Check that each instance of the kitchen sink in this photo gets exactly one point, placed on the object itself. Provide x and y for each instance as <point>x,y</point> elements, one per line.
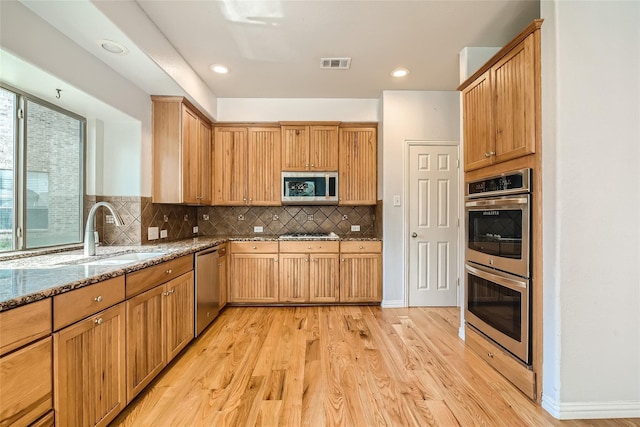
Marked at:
<point>124,259</point>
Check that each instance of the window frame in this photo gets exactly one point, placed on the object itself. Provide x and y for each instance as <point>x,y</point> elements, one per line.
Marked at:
<point>20,233</point>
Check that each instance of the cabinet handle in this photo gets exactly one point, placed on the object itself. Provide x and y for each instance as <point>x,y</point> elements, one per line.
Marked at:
<point>98,298</point>
<point>312,165</point>
<point>306,260</point>
<point>166,294</point>
<point>254,247</point>
<point>490,355</point>
<point>306,165</point>
<point>172,291</point>
<point>308,247</point>
<point>250,199</point>
<point>169,271</point>
<point>361,247</point>
<point>98,321</point>
<point>489,154</point>
<point>342,260</point>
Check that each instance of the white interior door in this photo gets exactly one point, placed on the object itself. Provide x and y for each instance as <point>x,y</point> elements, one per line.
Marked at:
<point>433,225</point>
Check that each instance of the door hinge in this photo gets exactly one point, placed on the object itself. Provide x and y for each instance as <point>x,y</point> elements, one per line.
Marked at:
<point>20,113</point>
<point>458,222</point>
<point>458,163</point>
<point>458,282</point>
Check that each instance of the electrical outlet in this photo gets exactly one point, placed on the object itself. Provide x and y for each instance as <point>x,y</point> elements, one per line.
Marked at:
<point>109,219</point>
<point>205,217</point>
<point>195,230</point>
<point>153,233</point>
<point>309,217</point>
<point>186,217</point>
<point>166,218</point>
<point>163,234</point>
<point>275,218</point>
<point>240,217</point>
<point>258,229</point>
<point>345,217</point>
<point>355,228</point>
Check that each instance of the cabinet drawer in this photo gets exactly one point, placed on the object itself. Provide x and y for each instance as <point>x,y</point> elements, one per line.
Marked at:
<point>257,247</point>
<point>150,277</point>
<point>315,246</point>
<point>76,305</point>
<point>25,324</point>
<point>361,246</point>
<point>26,388</point>
<point>509,367</point>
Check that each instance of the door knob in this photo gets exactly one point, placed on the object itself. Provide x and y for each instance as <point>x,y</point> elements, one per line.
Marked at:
<point>414,234</point>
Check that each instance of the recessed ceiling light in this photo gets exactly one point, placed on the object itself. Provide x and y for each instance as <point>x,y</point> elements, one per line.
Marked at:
<point>399,72</point>
<point>113,47</point>
<point>220,69</point>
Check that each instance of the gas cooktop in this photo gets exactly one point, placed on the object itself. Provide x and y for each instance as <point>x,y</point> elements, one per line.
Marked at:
<point>307,236</point>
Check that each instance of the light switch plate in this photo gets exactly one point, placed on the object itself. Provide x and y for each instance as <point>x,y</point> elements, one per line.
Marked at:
<point>396,200</point>
<point>163,234</point>
<point>195,230</point>
<point>355,228</point>
<point>153,233</point>
<point>258,229</point>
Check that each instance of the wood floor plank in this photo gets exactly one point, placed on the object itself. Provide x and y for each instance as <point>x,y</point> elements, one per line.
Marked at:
<point>335,366</point>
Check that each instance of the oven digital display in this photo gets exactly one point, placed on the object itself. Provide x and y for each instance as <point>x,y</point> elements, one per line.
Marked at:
<point>500,183</point>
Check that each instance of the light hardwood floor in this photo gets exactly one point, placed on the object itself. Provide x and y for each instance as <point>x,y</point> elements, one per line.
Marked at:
<point>335,366</point>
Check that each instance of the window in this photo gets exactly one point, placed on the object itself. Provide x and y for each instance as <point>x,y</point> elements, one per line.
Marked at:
<point>41,173</point>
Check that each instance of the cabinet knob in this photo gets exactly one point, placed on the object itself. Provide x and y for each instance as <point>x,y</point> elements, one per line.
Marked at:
<point>98,298</point>
<point>312,165</point>
<point>490,355</point>
<point>250,199</point>
<point>254,247</point>
<point>98,321</point>
<point>308,247</point>
<point>306,165</point>
<point>342,260</point>
<point>306,260</point>
<point>169,271</point>
<point>166,294</point>
<point>361,247</point>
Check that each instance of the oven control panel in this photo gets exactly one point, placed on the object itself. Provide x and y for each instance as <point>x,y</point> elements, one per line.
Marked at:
<point>508,183</point>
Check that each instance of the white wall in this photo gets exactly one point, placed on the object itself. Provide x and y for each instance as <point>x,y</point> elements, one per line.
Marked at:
<point>591,202</point>
<point>50,51</point>
<point>297,109</point>
<point>408,115</point>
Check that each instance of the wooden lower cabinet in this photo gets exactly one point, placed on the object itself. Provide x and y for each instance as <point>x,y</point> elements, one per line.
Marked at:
<point>159,325</point>
<point>89,369</point>
<point>26,384</point>
<point>361,271</point>
<point>309,278</point>
<point>223,275</point>
<point>255,278</point>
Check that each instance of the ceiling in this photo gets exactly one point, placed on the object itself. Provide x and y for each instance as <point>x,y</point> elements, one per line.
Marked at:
<point>273,48</point>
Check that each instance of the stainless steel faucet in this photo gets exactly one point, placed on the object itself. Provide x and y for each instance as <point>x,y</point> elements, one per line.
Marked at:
<point>90,242</point>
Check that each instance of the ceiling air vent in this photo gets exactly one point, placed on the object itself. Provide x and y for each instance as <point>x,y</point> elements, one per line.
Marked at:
<point>335,63</point>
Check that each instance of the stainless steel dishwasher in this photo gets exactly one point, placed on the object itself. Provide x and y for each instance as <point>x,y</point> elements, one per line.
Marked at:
<point>207,298</point>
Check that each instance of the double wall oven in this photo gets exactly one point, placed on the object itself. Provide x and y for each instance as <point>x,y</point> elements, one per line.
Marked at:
<point>498,260</point>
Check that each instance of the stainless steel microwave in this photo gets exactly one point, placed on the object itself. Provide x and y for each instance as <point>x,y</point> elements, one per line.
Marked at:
<point>309,188</point>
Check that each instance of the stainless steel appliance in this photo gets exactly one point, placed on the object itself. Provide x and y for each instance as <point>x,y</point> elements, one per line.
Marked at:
<point>498,306</point>
<point>498,222</point>
<point>207,298</point>
<point>497,285</point>
<point>306,188</point>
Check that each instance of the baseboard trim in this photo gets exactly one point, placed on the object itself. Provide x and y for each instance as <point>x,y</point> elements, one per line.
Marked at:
<point>590,410</point>
<point>398,303</point>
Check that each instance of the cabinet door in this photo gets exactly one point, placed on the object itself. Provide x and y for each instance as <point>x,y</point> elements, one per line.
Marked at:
<point>514,110</point>
<point>295,148</point>
<point>205,179</point>
<point>179,320</point>
<point>230,166</point>
<point>323,148</point>
<point>190,160</point>
<point>357,151</point>
<point>264,167</point>
<point>26,389</point>
<point>476,116</point>
<point>294,278</point>
<point>254,278</point>
<point>361,277</point>
<point>324,280</point>
<point>89,369</point>
<point>145,340</point>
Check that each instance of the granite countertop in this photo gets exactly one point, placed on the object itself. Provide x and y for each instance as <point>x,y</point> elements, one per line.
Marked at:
<point>26,279</point>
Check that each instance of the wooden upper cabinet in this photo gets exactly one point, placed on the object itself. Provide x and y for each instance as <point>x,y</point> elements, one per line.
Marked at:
<point>476,114</point>
<point>230,166</point>
<point>501,104</point>
<point>357,183</point>
<point>513,80</point>
<point>263,163</point>
<point>310,148</point>
<point>247,166</point>
<point>181,152</point>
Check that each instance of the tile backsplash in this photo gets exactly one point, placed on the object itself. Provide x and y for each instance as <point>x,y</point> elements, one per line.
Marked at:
<point>138,214</point>
<point>240,220</point>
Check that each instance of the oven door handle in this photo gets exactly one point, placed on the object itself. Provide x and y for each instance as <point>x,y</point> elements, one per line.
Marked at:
<point>511,283</point>
<point>503,201</point>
